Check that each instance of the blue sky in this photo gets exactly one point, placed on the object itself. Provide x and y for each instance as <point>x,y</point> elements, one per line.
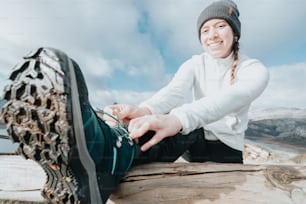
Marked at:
<point>128,49</point>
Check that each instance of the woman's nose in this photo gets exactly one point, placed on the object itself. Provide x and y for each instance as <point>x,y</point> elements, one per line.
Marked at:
<point>212,33</point>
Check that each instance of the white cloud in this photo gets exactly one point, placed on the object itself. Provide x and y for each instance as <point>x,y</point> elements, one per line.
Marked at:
<point>272,30</point>
<point>103,37</point>
<point>98,66</point>
<point>175,24</point>
<point>102,98</point>
<point>106,30</point>
<point>286,87</point>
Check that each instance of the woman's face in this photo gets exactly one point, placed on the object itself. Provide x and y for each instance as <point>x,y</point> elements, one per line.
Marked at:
<point>217,38</point>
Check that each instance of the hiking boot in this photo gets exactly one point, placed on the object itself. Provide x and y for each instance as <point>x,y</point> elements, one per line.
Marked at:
<point>47,112</point>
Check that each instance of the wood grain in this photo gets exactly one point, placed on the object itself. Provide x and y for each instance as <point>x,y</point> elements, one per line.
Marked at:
<point>177,183</point>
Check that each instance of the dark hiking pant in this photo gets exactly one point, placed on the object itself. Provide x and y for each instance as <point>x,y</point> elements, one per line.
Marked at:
<point>194,148</point>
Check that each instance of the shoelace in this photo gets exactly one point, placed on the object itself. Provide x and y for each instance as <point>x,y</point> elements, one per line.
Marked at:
<point>123,127</point>
<point>120,122</point>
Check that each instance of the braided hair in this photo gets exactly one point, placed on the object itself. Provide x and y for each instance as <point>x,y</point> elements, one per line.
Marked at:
<point>235,62</point>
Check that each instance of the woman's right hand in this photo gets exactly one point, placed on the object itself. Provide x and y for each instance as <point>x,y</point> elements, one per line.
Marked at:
<point>123,112</point>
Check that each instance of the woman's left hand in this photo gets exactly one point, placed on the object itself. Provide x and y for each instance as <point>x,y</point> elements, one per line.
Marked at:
<point>163,126</point>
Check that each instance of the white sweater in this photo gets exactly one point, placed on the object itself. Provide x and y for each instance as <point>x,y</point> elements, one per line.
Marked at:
<point>220,108</point>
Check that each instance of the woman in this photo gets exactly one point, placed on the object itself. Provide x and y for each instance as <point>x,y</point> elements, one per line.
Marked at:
<point>48,113</point>
<point>224,84</point>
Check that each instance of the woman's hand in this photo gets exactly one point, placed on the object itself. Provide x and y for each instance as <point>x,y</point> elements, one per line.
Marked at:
<point>163,126</point>
<point>123,112</point>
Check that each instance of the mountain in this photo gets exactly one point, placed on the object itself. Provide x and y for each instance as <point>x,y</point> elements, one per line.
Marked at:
<point>279,126</point>
<point>276,113</point>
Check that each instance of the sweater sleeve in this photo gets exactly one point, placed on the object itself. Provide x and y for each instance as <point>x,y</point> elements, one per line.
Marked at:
<point>251,80</point>
<point>175,92</point>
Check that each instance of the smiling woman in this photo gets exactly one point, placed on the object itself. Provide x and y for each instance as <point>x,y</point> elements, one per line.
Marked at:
<point>48,113</point>
<point>224,84</point>
<point>217,38</point>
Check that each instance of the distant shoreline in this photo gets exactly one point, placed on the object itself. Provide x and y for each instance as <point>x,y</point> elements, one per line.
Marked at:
<point>269,144</point>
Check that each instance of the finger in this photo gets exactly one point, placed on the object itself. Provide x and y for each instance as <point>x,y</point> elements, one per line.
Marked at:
<point>125,111</point>
<point>117,108</point>
<point>126,122</point>
<point>112,109</point>
<point>135,123</point>
<point>138,130</point>
<point>106,117</point>
<point>153,141</point>
<point>107,110</point>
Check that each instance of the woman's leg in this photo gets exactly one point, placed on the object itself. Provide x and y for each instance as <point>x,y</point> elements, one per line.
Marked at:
<point>47,112</point>
<point>214,151</point>
<point>194,145</point>
<point>169,149</point>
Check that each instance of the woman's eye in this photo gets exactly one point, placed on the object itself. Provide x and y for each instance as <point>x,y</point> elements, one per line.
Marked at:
<point>204,31</point>
<point>221,25</point>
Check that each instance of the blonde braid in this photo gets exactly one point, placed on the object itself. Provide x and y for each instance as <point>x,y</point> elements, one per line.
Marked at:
<point>235,62</point>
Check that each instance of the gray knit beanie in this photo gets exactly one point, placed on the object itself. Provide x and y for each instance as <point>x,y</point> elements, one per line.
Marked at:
<point>224,9</point>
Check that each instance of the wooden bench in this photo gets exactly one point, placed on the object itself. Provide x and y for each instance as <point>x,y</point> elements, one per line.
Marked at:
<point>177,183</point>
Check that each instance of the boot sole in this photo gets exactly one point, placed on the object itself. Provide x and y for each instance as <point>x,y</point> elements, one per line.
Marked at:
<point>43,115</point>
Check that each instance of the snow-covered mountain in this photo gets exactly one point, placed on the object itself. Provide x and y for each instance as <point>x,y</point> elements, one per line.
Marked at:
<point>276,113</point>
<point>281,126</point>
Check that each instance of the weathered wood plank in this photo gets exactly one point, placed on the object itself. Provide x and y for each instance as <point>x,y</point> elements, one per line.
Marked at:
<point>179,183</point>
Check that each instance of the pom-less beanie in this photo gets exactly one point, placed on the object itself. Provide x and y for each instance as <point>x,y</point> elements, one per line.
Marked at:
<point>224,9</point>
